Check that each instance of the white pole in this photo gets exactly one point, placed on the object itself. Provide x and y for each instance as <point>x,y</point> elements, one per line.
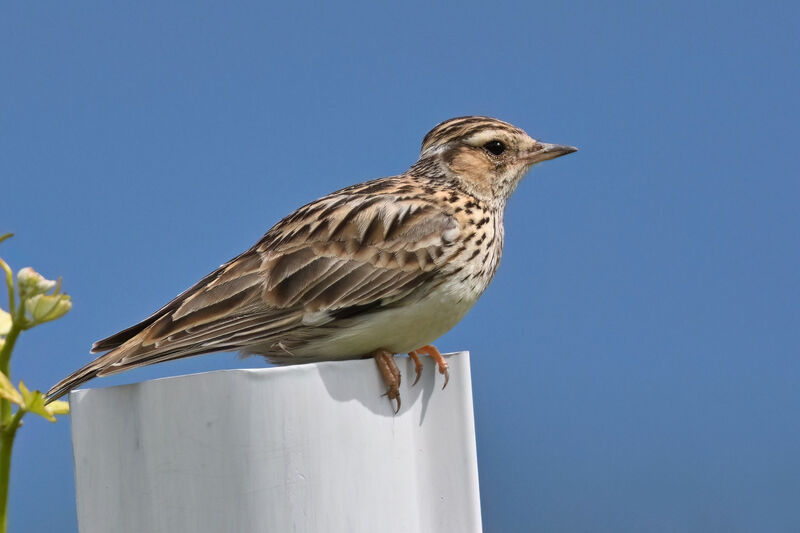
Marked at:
<point>303,448</point>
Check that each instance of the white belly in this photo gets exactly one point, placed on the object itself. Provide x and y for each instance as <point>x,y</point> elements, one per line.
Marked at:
<point>401,329</point>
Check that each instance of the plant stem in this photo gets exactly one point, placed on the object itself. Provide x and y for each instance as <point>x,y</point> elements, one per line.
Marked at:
<point>9,285</point>
<point>5,367</point>
<point>6,445</point>
<point>11,338</point>
<point>8,423</point>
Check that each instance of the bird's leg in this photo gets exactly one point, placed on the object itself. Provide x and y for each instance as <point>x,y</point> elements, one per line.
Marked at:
<point>417,365</point>
<point>440,362</point>
<point>391,375</point>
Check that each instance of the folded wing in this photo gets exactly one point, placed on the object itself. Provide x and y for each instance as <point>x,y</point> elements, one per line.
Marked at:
<point>354,251</point>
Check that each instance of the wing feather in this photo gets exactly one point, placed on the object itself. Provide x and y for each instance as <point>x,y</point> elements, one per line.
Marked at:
<point>345,254</point>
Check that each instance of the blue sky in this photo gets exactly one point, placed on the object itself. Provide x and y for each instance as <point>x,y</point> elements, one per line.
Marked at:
<point>635,361</point>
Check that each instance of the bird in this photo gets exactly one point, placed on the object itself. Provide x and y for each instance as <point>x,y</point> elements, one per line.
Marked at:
<point>376,269</point>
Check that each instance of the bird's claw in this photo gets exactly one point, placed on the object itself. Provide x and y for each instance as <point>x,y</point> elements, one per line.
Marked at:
<point>393,395</point>
<point>441,363</point>
<point>391,376</point>
<point>417,365</point>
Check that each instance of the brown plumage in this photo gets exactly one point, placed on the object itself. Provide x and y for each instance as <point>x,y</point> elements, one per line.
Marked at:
<point>385,266</point>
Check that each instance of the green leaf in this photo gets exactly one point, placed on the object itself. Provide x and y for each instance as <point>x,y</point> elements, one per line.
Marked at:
<point>33,402</point>
<point>8,392</point>
<point>6,236</point>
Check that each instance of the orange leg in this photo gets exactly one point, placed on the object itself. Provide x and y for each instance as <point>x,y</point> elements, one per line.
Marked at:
<point>417,365</point>
<point>440,362</point>
<point>391,375</point>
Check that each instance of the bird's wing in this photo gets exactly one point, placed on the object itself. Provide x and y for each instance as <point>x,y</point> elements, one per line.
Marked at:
<point>350,252</point>
<point>338,256</point>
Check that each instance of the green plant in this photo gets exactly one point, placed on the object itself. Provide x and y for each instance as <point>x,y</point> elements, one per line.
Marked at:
<point>32,300</point>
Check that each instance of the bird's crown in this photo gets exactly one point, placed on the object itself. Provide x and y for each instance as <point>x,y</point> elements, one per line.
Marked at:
<point>461,127</point>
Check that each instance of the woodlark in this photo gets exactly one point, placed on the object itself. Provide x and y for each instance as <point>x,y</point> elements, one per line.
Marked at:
<point>372,270</point>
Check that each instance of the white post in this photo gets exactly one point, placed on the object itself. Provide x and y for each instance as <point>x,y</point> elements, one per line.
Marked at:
<point>304,448</point>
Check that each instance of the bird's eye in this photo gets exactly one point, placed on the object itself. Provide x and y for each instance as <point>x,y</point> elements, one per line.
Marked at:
<point>495,147</point>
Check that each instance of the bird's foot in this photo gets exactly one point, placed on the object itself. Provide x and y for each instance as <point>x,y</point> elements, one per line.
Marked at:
<point>390,374</point>
<point>417,365</point>
<point>440,362</point>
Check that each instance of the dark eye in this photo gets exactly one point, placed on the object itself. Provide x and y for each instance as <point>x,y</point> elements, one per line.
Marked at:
<point>495,147</point>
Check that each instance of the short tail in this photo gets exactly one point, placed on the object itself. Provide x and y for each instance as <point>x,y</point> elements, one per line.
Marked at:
<point>103,365</point>
<point>115,362</point>
<point>122,358</point>
<point>76,379</point>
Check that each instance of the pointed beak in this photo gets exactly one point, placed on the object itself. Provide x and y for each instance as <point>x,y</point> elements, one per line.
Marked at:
<point>544,151</point>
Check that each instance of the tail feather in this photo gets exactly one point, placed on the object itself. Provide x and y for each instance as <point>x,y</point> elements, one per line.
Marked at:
<point>113,363</point>
<point>235,322</point>
<point>140,350</point>
<point>118,339</point>
<point>75,379</point>
<point>116,344</point>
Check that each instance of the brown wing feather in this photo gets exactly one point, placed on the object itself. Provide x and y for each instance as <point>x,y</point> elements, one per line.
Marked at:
<point>119,338</point>
<point>349,252</point>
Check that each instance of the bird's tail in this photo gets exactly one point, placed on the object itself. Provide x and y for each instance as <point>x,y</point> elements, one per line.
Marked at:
<point>116,361</point>
<point>75,379</point>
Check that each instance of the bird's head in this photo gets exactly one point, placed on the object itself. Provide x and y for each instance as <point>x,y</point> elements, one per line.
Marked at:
<point>487,156</point>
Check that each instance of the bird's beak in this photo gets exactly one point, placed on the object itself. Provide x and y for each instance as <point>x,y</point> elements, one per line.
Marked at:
<point>544,151</point>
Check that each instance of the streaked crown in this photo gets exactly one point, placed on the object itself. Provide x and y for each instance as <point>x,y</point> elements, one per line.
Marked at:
<point>460,127</point>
